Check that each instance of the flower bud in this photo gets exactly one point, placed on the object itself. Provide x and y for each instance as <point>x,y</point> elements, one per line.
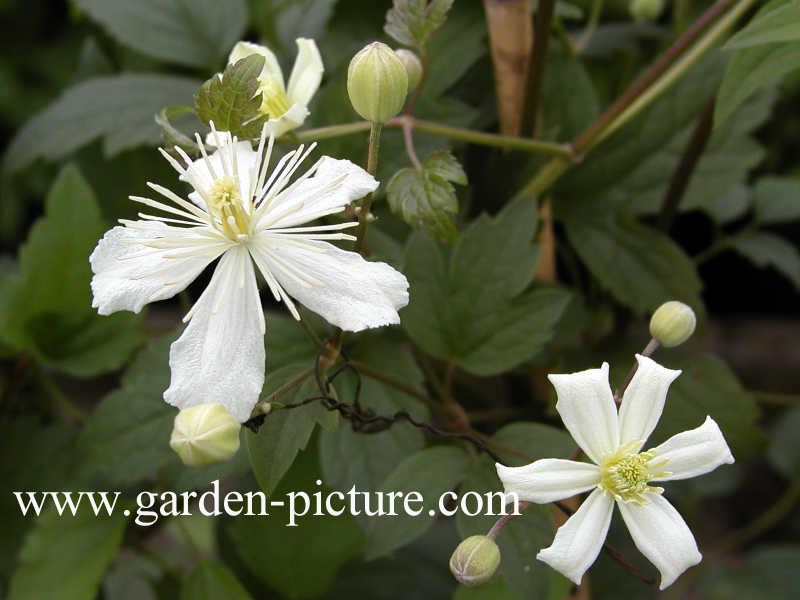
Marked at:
<point>672,323</point>
<point>413,67</point>
<point>644,11</point>
<point>475,560</point>
<point>377,83</point>
<point>205,434</point>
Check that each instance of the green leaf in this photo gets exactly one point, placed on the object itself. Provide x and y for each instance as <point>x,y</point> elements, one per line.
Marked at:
<point>119,108</point>
<point>211,580</point>
<point>126,438</point>
<point>496,589</point>
<point>707,387</point>
<point>784,450</point>
<point>767,573</point>
<point>285,431</point>
<point>66,553</point>
<point>471,306</point>
<point>730,206</point>
<point>302,561</point>
<point>779,21</point>
<point>426,198</point>
<point>431,473</point>
<point>763,54</point>
<point>233,101</point>
<point>195,33</point>
<point>412,22</point>
<point>569,100</point>
<point>776,199</point>
<point>364,460</point>
<point>534,440</point>
<point>640,267</point>
<point>521,538</point>
<point>45,309</point>
<point>769,250</point>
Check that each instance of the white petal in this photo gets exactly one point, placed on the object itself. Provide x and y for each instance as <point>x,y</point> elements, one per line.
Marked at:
<point>695,452</point>
<point>662,535</point>
<point>580,539</point>
<point>220,164</point>
<point>334,185</point>
<point>128,275</point>
<point>643,400</point>
<point>306,73</point>
<point>586,406</point>
<point>219,358</point>
<point>271,69</point>
<point>347,290</point>
<point>291,119</point>
<point>549,479</point>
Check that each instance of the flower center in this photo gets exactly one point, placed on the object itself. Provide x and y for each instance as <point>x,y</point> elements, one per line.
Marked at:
<point>225,205</point>
<point>273,98</point>
<point>625,475</point>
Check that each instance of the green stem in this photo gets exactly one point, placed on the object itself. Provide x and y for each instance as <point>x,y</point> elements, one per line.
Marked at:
<point>331,131</point>
<point>768,519</point>
<point>541,37</point>
<point>59,397</point>
<point>391,381</point>
<point>372,166</point>
<point>591,25</point>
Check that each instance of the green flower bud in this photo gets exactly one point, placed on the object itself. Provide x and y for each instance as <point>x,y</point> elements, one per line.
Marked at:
<point>644,11</point>
<point>475,560</point>
<point>205,434</point>
<point>673,323</point>
<point>377,83</point>
<point>413,67</point>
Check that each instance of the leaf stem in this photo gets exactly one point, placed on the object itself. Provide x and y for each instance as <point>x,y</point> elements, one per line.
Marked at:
<point>58,396</point>
<point>541,37</point>
<point>390,380</point>
<point>651,347</point>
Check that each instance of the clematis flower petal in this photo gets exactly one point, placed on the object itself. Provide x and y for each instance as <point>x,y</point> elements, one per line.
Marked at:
<point>580,539</point>
<point>586,406</point>
<point>345,289</point>
<point>203,172</point>
<point>306,72</point>
<point>334,185</point>
<point>129,274</point>
<point>643,401</point>
<point>272,68</point>
<point>661,534</point>
<point>694,452</point>
<point>219,358</point>
<point>291,119</point>
<point>549,479</point>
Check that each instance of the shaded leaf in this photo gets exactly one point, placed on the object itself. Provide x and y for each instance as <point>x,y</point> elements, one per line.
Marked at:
<point>412,22</point>
<point>778,22</point>
<point>769,250</point>
<point>776,199</point>
<point>211,580</point>
<point>784,451</point>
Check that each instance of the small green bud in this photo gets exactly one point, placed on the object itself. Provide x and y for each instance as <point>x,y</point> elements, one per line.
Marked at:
<point>377,83</point>
<point>205,434</point>
<point>673,323</point>
<point>413,67</point>
<point>475,560</point>
<point>644,11</point>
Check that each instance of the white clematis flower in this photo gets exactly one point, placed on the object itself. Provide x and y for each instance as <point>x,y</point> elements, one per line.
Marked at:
<point>244,217</point>
<point>621,471</point>
<point>286,105</point>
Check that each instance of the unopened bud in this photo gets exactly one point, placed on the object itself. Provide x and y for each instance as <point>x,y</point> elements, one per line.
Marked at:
<point>644,11</point>
<point>377,83</point>
<point>413,67</point>
<point>673,323</point>
<point>475,560</point>
<point>205,434</point>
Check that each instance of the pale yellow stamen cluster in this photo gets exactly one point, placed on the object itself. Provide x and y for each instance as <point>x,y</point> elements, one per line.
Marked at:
<point>225,205</point>
<point>625,475</point>
<point>273,98</point>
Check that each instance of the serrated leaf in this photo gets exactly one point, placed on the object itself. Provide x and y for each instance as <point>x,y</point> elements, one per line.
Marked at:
<point>233,101</point>
<point>412,22</point>
<point>285,432</point>
<point>425,198</point>
<point>779,21</point>
<point>730,206</point>
<point>302,561</point>
<point>119,108</point>
<point>66,553</point>
<point>431,473</point>
<point>211,580</point>
<point>769,250</point>
<point>45,309</point>
<point>776,199</point>
<point>639,266</point>
<point>195,33</point>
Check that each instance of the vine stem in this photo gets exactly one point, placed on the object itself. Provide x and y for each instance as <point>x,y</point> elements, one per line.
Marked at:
<point>372,166</point>
<point>541,37</point>
<point>651,347</point>
<point>686,51</point>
